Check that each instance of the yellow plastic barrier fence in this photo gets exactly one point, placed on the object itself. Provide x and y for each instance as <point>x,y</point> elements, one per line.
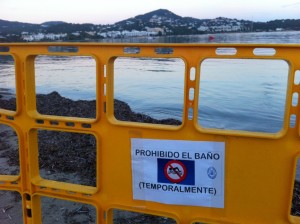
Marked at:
<point>184,173</point>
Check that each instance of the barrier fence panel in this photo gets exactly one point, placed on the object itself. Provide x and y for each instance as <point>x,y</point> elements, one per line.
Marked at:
<point>162,133</point>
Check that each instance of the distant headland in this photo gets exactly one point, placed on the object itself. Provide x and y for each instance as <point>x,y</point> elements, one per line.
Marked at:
<point>160,22</point>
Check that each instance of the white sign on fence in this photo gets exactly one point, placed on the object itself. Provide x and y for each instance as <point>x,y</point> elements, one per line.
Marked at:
<point>178,172</point>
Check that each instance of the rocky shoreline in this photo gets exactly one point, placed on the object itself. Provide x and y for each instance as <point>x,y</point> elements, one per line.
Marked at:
<point>55,149</point>
<point>54,104</point>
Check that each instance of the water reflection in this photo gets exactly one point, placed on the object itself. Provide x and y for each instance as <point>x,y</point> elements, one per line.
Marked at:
<point>155,86</point>
<point>73,77</point>
<point>7,77</point>
<point>243,94</point>
<point>257,37</point>
<point>152,86</point>
<point>6,59</point>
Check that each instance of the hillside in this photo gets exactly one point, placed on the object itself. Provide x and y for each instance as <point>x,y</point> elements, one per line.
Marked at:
<point>16,27</point>
<point>155,23</point>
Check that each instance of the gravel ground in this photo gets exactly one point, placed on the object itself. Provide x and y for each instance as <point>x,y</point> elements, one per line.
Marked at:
<point>296,200</point>
<point>60,155</point>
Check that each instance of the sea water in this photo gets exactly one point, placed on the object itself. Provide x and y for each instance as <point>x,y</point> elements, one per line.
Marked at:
<point>250,94</point>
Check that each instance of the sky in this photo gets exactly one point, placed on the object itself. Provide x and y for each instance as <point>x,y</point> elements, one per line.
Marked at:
<point>111,11</point>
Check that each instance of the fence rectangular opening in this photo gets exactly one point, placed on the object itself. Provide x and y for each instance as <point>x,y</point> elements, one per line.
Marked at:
<point>9,151</point>
<point>141,82</point>
<point>64,211</point>
<point>123,216</point>
<point>67,157</point>
<point>243,94</point>
<point>7,83</point>
<point>54,73</point>
<point>10,207</point>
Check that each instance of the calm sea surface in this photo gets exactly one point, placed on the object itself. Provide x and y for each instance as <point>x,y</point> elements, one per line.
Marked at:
<point>234,94</point>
